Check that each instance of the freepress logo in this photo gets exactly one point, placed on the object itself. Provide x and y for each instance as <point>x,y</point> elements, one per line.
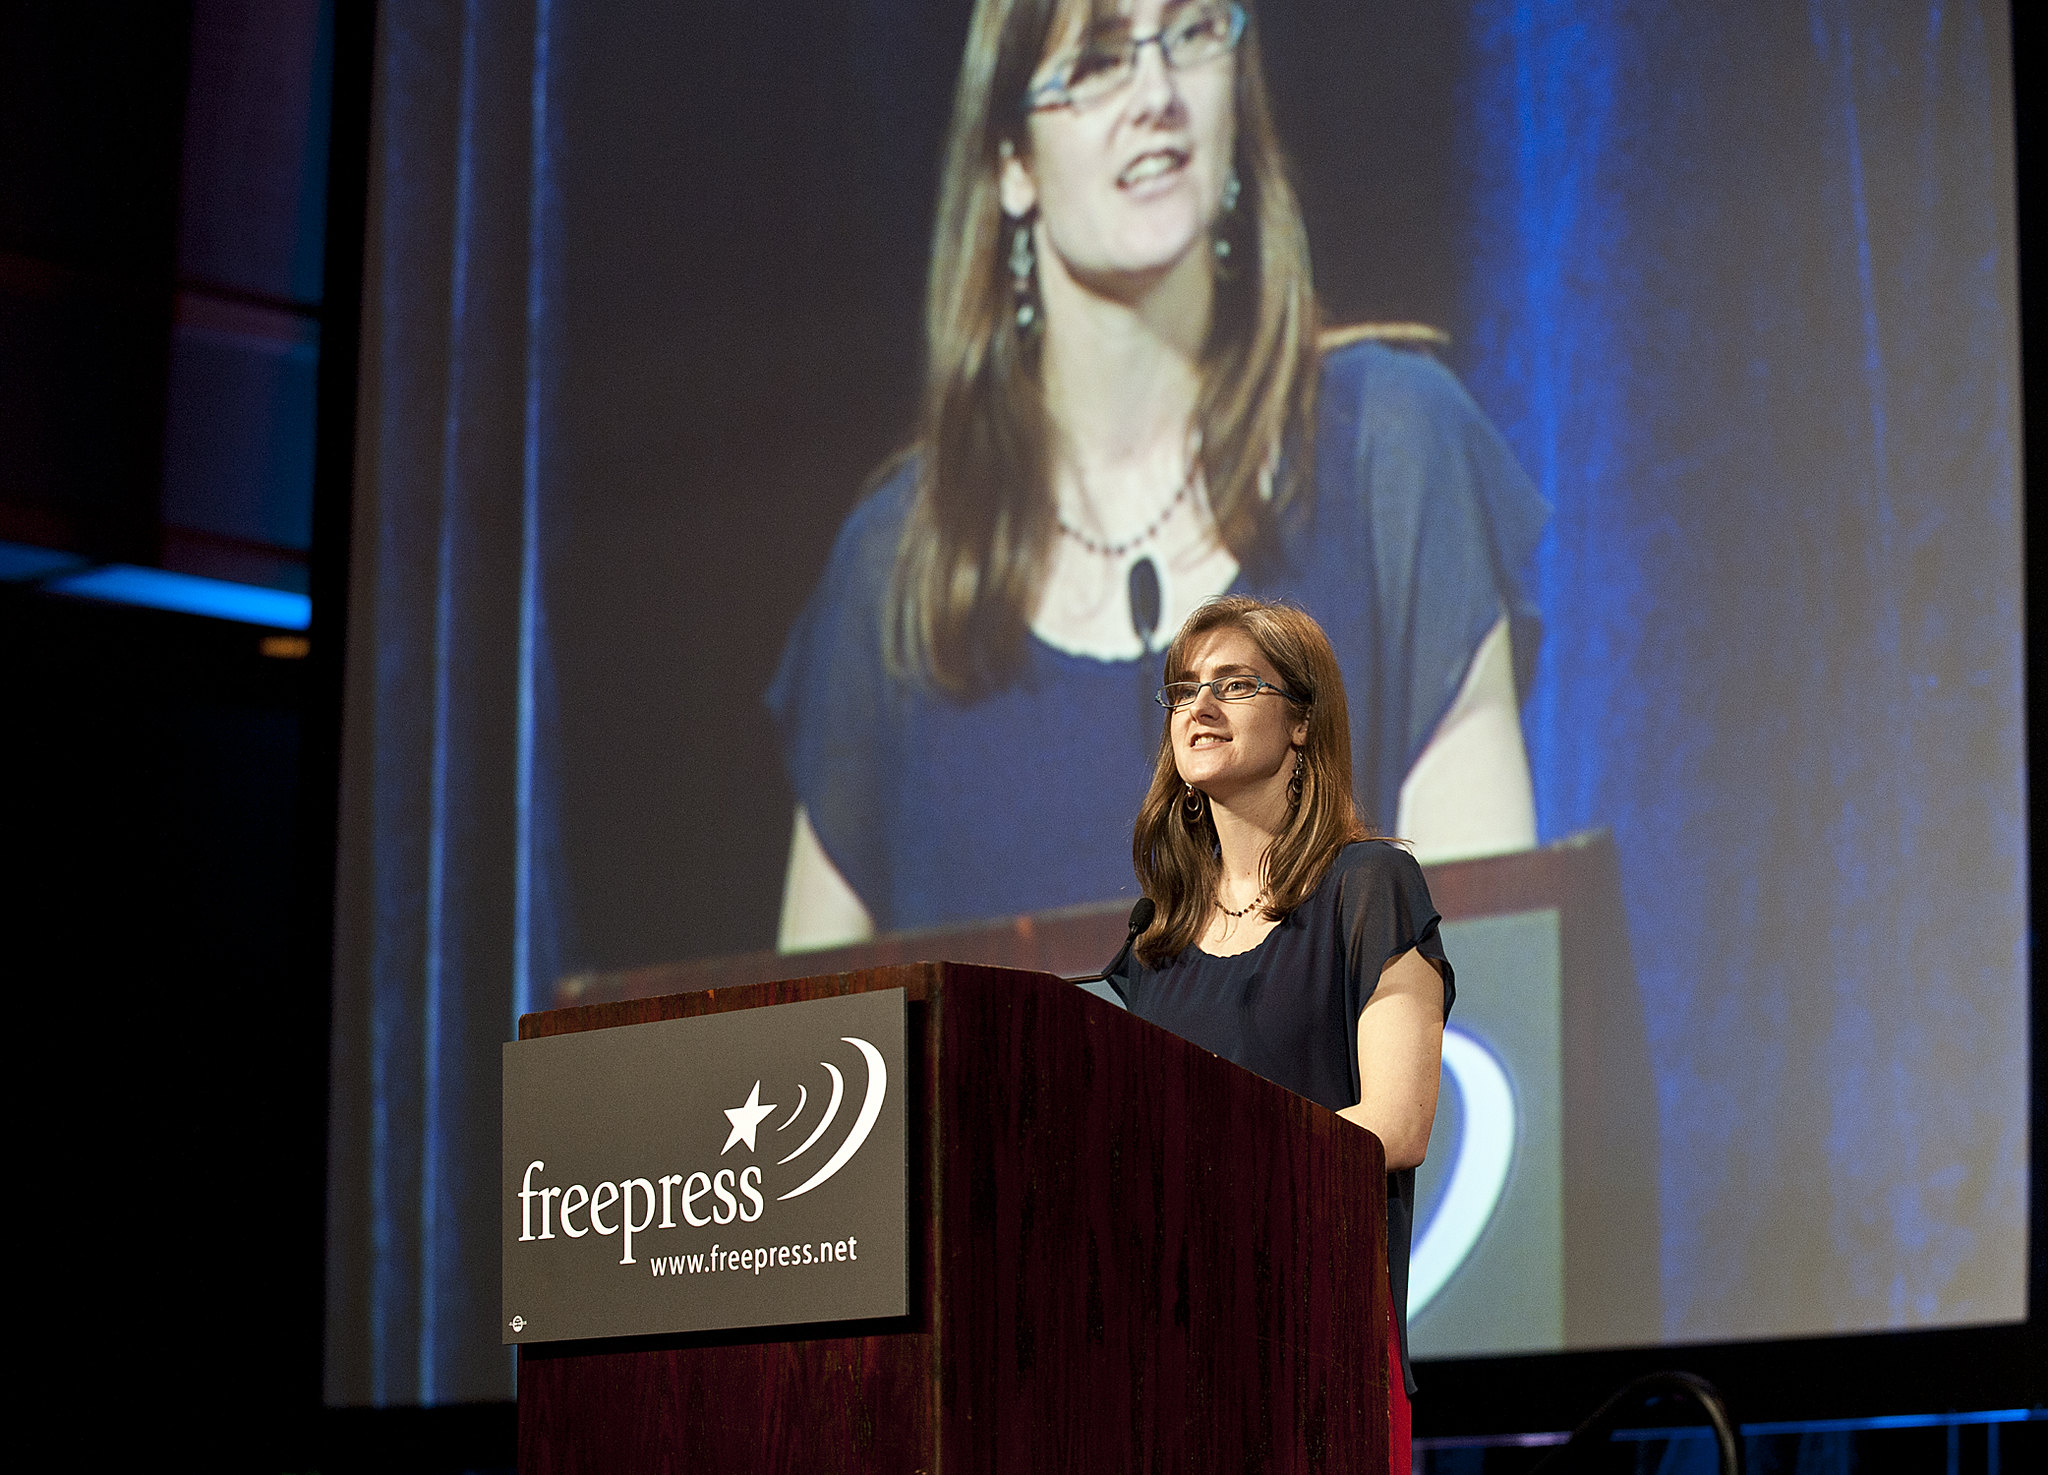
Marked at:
<point>706,1196</point>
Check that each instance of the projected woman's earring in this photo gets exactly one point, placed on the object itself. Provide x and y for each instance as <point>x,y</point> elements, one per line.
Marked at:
<point>1226,269</point>
<point>1024,278</point>
<point>1294,782</point>
<point>1191,802</point>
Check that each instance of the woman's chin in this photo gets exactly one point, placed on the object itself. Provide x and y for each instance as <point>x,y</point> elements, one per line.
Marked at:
<point>1214,779</point>
<point>1227,788</point>
<point>1156,255</point>
<point>1141,262</point>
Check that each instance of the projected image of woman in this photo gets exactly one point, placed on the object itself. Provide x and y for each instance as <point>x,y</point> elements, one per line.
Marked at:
<point>1128,410</point>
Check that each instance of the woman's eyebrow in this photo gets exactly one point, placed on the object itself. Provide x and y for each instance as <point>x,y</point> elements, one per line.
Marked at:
<point>1118,20</point>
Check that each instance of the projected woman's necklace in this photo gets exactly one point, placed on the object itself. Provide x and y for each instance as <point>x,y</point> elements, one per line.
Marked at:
<point>1142,584</point>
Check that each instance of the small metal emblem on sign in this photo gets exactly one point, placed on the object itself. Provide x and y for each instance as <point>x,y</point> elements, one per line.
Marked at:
<point>518,1323</point>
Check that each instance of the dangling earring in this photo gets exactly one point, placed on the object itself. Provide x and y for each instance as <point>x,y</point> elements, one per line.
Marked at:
<point>1294,783</point>
<point>1191,802</point>
<point>1225,268</point>
<point>1024,278</point>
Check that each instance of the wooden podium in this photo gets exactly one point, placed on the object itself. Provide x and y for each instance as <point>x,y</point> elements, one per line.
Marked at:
<point>1128,1255</point>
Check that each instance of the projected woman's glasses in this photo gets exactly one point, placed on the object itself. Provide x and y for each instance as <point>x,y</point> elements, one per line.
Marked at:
<point>1105,63</point>
<point>1227,689</point>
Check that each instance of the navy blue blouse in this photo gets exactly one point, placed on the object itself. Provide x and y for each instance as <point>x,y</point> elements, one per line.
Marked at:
<point>936,810</point>
<point>1288,1009</point>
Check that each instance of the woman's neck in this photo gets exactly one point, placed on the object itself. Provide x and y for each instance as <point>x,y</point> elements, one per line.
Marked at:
<point>1121,376</point>
<point>1246,826</point>
<point>1122,373</point>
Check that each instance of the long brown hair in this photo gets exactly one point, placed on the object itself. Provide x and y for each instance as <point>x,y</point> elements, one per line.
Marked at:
<point>1174,848</point>
<point>976,547</point>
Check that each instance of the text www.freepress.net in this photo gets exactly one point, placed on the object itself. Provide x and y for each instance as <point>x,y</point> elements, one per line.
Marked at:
<point>766,1257</point>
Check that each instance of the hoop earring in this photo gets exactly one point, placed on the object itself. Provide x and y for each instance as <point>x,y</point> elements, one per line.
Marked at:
<point>1191,802</point>
<point>1024,278</point>
<point>1226,270</point>
<point>1294,782</point>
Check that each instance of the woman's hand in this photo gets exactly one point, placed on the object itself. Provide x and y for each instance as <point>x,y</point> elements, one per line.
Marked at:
<point>1400,1059</point>
<point>818,908</point>
<point>1469,792</point>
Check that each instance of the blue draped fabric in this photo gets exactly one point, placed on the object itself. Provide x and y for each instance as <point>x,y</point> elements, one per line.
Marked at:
<point>1745,308</point>
<point>1737,294</point>
<point>445,907</point>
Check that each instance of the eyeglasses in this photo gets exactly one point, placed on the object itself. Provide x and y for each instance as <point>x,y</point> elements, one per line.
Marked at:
<point>1104,64</point>
<point>1177,694</point>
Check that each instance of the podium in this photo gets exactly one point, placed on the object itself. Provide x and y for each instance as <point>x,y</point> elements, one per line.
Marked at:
<point>1126,1254</point>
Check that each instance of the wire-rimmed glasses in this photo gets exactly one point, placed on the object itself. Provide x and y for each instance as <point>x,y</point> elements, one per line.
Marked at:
<point>1191,33</point>
<point>1177,694</point>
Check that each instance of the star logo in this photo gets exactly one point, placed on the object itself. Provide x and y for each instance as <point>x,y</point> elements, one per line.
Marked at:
<point>746,1120</point>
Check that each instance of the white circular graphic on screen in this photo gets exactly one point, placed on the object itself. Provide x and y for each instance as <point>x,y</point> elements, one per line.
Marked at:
<point>864,1123</point>
<point>1486,1147</point>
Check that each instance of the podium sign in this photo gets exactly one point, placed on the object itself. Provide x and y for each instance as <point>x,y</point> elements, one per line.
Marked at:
<point>731,1170</point>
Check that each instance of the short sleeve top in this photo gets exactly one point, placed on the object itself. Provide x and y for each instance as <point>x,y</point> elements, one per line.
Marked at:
<point>936,810</point>
<point>1288,1009</point>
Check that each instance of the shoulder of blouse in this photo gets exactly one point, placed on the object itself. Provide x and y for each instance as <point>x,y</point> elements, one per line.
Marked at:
<point>1394,389</point>
<point>1369,875</point>
<point>863,555</point>
<point>1371,859</point>
<point>885,498</point>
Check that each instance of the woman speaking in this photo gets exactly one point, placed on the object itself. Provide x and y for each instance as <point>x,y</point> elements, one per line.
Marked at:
<point>1286,940</point>
<point>1129,409</point>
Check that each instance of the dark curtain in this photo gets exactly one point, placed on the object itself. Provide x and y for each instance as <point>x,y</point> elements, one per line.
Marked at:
<point>443,895</point>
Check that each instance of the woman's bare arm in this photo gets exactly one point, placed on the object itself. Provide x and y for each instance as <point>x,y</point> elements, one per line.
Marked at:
<point>818,908</point>
<point>1400,1059</point>
<point>1469,794</point>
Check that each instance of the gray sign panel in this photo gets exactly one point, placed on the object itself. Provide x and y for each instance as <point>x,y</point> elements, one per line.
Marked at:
<point>734,1170</point>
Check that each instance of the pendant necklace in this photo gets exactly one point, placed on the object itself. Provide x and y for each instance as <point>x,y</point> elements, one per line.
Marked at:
<point>1142,588</point>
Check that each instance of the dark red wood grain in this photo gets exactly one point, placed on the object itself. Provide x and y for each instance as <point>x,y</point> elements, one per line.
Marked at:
<point>1133,1256</point>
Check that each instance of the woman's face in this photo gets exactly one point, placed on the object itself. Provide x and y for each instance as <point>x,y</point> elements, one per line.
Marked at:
<point>1128,185</point>
<point>1227,749</point>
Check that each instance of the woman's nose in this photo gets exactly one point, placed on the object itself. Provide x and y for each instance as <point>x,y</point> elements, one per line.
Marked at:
<point>1154,92</point>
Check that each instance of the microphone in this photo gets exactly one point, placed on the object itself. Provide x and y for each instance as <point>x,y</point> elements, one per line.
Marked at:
<point>1141,918</point>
